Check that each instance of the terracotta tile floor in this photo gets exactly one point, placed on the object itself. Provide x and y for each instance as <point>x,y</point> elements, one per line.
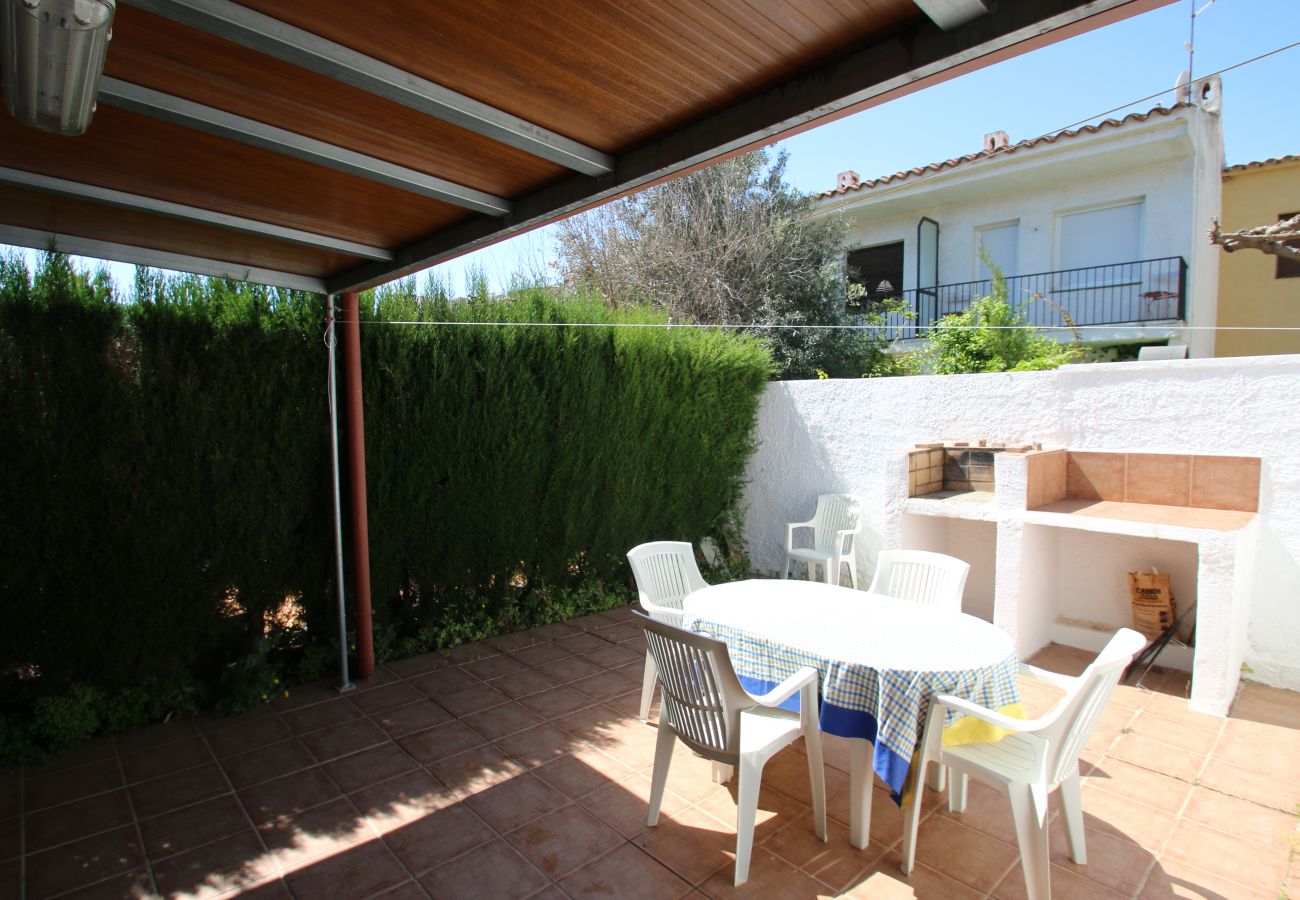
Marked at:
<point>517,768</point>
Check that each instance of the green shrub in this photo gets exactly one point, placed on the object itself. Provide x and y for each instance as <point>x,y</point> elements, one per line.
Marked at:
<point>316,661</point>
<point>164,465</point>
<point>151,700</point>
<point>62,720</point>
<point>513,465</point>
<point>247,682</point>
<point>991,335</point>
<point>18,742</point>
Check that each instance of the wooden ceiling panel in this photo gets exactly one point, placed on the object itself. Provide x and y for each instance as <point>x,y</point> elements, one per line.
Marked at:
<point>154,52</point>
<point>800,25</point>
<point>661,86</point>
<point>82,218</point>
<point>610,74</point>
<point>141,155</point>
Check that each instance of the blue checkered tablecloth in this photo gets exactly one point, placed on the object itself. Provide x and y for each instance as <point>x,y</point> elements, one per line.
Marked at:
<point>880,659</point>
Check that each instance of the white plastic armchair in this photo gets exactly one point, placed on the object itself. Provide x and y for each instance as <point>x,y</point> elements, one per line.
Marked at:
<point>1037,757</point>
<point>665,573</point>
<point>705,708</point>
<point>834,525</point>
<point>930,579</point>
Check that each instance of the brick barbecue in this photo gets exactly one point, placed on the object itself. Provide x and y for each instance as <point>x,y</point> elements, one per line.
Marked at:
<point>956,465</point>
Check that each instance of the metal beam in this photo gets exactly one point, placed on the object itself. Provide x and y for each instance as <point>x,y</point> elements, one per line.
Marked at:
<point>180,111</point>
<point>161,259</point>
<point>898,65</point>
<point>286,42</point>
<point>136,202</point>
<point>950,14</point>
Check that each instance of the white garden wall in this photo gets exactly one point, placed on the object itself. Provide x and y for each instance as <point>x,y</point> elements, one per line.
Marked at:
<point>850,436</point>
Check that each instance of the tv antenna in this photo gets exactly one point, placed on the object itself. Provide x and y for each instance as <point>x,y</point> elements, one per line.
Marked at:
<point>1191,39</point>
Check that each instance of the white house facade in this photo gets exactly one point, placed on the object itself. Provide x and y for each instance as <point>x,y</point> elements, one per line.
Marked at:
<point>1105,223</point>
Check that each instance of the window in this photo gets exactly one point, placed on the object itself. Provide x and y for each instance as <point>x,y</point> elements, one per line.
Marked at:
<point>1288,268</point>
<point>879,269</point>
<point>1002,243</point>
<point>1100,237</point>
<point>1101,280</point>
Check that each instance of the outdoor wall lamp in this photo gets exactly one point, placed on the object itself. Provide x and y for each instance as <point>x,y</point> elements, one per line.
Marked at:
<point>53,53</point>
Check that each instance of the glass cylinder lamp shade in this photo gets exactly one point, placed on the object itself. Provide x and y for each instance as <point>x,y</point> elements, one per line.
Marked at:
<point>53,54</point>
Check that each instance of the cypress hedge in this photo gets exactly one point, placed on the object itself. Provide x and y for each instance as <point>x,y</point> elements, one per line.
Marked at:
<point>164,468</point>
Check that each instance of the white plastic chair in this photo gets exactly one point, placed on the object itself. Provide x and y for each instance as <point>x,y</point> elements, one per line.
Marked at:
<point>1036,758</point>
<point>665,573</point>
<point>930,579</point>
<point>833,525</point>
<point>704,706</point>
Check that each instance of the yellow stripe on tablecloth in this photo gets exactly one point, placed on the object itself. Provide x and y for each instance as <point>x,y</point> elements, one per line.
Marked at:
<point>966,730</point>
<point>970,730</point>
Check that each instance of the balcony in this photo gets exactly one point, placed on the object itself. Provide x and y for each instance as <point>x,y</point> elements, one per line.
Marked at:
<point>1150,290</point>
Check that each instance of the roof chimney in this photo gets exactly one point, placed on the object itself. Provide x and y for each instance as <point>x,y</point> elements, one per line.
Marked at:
<point>996,140</point>
<point>1209,93</point>
<point>846,181</point>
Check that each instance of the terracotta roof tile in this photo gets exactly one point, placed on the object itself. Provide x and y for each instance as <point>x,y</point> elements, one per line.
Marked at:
<point>1002,151</point>
<point>1259,164</point>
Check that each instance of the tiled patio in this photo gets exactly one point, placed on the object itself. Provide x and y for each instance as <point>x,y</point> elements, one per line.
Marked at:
<point>518,768</point>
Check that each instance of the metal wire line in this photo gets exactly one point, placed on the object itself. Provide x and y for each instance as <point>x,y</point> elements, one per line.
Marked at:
<point>909,180</point>
<point>897,187</point>
<point>759,326</point>
<point>926,174</point>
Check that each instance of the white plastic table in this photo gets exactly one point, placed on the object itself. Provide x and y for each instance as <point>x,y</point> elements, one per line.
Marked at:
<point>880,660</point>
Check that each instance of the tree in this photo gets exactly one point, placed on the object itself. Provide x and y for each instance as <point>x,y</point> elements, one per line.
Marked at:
<point>992,336</point>
<point>732,244</point>
<point>1282,239</point>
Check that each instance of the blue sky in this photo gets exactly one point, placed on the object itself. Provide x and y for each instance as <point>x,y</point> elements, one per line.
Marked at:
<point>1075,80</point>
<point>1039,93</point>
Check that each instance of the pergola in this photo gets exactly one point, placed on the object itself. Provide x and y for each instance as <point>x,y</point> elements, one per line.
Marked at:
<point>330,146</point>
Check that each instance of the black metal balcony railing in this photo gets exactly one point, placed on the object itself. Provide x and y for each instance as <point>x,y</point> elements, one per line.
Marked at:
<point>1146,291</point>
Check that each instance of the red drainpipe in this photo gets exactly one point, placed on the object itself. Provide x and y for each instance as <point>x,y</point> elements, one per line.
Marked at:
<point>350,329</point>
